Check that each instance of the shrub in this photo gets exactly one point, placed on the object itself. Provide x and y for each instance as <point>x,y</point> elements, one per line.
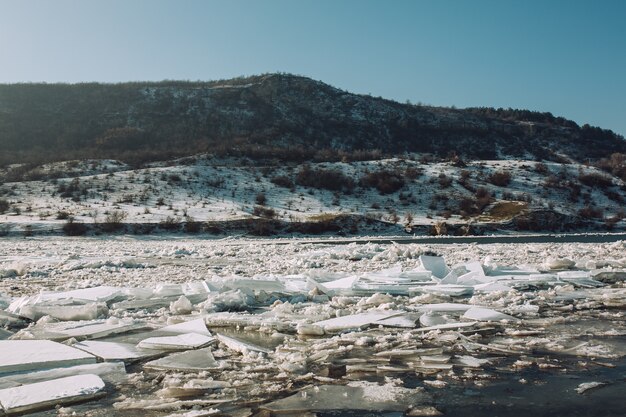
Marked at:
<point>444,181</point>
<point>541,168</point>
<point>4,205</point>
<point>72,228</point>
<point>260,199</point>
<point>192,226</point>
<point>283,181</point>
<point>500,178</point>
<point>264,212</point>
<point>386,182</point>
<point>113,221</point>
<point>63,215</point>
<point>589,212</point>
<point>551,181</point>
<point>328,179</point>
<point>595,180</point>
<point>439,229</point>
<point>170,223</point>
<point>413,172</point>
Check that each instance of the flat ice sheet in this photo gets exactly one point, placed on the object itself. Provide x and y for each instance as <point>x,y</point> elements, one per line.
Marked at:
<point>193,360</point>
<point>115,351</point>
<point>48,394</point>
<point>30,355</point>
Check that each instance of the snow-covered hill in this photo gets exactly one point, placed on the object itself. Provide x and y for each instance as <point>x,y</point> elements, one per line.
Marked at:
<point>204,194</point>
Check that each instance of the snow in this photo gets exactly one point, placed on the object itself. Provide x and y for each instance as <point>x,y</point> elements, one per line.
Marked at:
<point>225,190</point>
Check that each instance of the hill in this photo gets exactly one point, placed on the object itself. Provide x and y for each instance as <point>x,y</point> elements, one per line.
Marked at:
<point>271,117</point>
<point>280,155</point>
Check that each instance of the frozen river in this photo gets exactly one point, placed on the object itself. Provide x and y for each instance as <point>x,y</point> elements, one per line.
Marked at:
<point>247,327</point>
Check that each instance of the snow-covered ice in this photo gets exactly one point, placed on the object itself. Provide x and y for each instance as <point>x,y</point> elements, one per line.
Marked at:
<point>237,326</point>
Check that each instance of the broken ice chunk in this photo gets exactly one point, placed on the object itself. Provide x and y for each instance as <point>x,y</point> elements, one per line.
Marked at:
<point>179,342</point>
<point>470,361</point>
<point>193,360</point>
<point>191,326</point>
<point>486,314</point>
<point>448,289</point>
<point>168,290</point>
<point>48,394</point>
<point>435,264</point>
<point>354,321</point>
<point>110,372</point>
<point>406,321</point>
<point>586,386</point>
<point>433,319</point>
<point>239,345</point>
<point>559,263</point>
<point>65,310</point>
<point>92,329</point>
<point>29,355</point>
<point>365,396</point>
<point>609,276</point>
<point>445,307</point>
<point>447,326</point>
<point>181,306</point>
<point>310,329</point>
<point>491,287</point>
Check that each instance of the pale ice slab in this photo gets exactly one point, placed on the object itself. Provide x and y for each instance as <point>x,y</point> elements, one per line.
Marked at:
<point>193,360</point>
<point>586,386</point>
<point>434,319</point>
<point>110,372</point>
<point>115,351</point>
<point>29,355</point>
<point>239,345</point>
<point>486,314</point>
<point>191,326</point>
<point>354,396</point>
<point>447,326</point>
<point>48,394</point>
<point>341,284</point>
<point>445,307</point>
<point>65,311</point>
<point>470,361</point>
<point>89,329</point>
<point>404,321</point>
<point>452,290</point>
<point>101,293</point>
<point>354,321</point>
<point>180,342</point>
<point>435,264</point>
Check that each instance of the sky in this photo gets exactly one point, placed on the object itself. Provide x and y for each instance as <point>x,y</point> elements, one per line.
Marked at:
<point>565,57</point>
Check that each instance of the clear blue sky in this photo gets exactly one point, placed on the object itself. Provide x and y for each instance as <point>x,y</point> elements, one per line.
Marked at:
<point>567,57</point>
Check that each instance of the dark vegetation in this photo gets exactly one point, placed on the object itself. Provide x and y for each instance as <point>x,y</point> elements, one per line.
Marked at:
<point>274,117</point>
<point>385,181</point>
<point>328,179</point>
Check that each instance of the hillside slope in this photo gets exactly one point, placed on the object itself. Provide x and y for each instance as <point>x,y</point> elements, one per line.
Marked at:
<point>225,197</point>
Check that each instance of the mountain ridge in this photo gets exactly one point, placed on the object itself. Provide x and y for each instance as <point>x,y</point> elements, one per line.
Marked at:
<point>271,116</point>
